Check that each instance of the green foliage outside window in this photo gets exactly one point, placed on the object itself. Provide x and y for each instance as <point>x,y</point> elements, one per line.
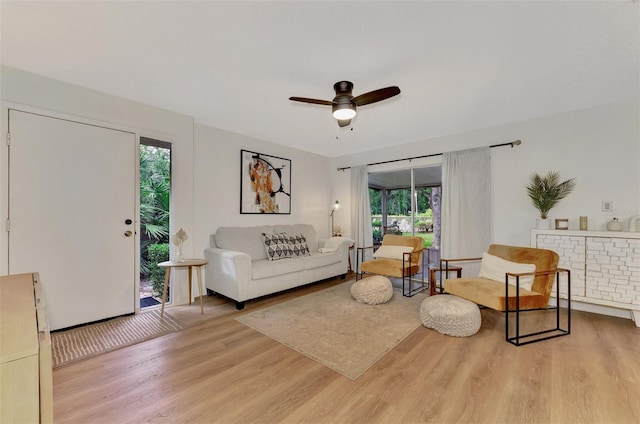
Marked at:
<point>399,201</point>
<point>157,253</point>
<point>155,190</point>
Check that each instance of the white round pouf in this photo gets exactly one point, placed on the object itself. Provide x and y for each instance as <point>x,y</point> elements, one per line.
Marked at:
<point>372,290</point>
<point>450,315</point>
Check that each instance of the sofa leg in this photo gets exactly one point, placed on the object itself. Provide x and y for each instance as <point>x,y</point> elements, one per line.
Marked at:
<point>239,306</point>
<point>343,276</point>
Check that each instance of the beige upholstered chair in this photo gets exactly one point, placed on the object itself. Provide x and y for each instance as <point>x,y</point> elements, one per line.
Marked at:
<point>403,260</point>
<point>509,298</point>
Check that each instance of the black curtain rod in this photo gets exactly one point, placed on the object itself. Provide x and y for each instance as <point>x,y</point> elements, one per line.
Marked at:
<point>511,143</point>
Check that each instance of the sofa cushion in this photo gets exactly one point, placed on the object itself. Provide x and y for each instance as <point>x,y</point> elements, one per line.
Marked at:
<point>265,268</point>
<point>306,230</point>
<point>298,245</point>
<point>276,246</point>
<point>243,239</point>
<point>317,260</point>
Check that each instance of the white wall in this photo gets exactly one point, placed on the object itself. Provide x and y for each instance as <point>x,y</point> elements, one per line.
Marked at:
<point>598,146</point>
<point>36,93</point>
<point>206,172</point>
<point>217,184</point>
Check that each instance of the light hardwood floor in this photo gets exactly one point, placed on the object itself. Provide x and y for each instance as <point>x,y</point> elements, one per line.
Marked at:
<point>219,371</point>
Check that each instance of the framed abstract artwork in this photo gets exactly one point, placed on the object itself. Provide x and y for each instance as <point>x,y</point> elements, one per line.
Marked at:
<point>265,183</point>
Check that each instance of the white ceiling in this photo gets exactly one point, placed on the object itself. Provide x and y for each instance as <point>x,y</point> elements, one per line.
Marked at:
<point>233,65</point>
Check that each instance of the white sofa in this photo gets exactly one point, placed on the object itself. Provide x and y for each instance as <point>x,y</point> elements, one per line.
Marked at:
<point>238,267</point>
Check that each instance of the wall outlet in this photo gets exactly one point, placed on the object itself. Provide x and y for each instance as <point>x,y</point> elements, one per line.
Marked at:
<point>607,206</point>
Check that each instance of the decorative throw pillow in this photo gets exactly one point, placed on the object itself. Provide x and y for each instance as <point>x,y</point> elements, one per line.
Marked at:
<point>392,252</point>
<point>494,268</point>
<point>298,245</point>
<point>276,246</point>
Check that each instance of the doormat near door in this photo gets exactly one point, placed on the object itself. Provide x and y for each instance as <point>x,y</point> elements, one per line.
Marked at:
<point>145,302</point>
<point>330,327</point>
<point>91,340</point>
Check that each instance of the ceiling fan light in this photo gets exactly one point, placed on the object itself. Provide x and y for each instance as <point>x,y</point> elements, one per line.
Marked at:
<point>344,111</point>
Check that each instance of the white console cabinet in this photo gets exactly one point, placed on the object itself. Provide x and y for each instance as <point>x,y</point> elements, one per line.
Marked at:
<point>605,266</point>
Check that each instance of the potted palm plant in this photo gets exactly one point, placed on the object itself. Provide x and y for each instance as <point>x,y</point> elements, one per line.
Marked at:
<point>545,192</point>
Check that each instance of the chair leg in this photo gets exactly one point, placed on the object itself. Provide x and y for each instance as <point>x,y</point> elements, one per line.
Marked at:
<point>558,331</point>
<point>411,292</point>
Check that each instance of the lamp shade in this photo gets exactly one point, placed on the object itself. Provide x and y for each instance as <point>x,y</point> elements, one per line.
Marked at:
<point>335,207</point>
<point>343,108</point>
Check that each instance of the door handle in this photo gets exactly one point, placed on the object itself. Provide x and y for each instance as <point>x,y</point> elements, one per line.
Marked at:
<point>128,233</point>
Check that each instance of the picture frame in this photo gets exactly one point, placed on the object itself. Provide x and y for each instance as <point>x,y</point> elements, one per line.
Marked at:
<point>265,184</point>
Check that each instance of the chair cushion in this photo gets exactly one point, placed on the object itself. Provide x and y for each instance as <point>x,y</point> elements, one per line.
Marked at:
<point>416,243</point>
<point>544,260</point>
<point>450,315</point>
<point>390,267</point>
<point>494,268</point>
<point>492,293</point>
<point>392,252</point>
<point>372,290</point>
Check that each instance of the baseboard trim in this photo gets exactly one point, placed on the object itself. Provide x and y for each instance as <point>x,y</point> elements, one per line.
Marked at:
<point>600,309</point>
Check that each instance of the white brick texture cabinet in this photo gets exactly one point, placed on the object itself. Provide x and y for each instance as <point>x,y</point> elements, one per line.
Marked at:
<point>605,266</point>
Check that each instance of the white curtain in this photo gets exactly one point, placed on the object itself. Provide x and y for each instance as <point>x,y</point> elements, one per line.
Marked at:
<point>361,229</point>
<point>466,203</point>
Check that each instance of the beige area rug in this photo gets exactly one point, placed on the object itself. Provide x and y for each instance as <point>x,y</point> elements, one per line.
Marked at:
<point>94,339</point>
<point>335,330</point>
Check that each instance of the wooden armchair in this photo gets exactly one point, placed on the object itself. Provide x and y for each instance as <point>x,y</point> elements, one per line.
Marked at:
<point>399,257</point>
<point>503,296</point>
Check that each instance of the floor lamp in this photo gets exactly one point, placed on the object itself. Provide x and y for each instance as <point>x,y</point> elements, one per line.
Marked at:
<point>335,207</point>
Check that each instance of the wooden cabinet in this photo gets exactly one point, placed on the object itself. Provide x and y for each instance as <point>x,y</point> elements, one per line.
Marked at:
<point>26,394</point>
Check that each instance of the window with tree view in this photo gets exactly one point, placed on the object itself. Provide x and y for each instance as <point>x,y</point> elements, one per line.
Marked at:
<point>155,196</point>
<point>406,204</point>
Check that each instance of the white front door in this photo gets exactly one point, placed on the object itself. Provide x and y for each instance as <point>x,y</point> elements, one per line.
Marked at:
<point>72,215</point>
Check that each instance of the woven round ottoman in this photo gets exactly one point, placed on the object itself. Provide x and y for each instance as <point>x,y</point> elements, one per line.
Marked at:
<point>450,315</point>
<point>372,290</point>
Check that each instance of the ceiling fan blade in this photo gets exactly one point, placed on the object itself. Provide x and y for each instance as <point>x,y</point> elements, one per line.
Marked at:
<point>343,122</point>
<point>376,95</point>
<point>314,101</point>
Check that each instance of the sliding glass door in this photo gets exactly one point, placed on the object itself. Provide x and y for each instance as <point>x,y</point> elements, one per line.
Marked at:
<point>406,202</point>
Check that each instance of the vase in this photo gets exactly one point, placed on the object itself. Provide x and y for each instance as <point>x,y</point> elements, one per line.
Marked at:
<point>634,223</point>
<point>584,223</point>
<point>614,225</point>
<point>543,224</point>
<point>179,256</point>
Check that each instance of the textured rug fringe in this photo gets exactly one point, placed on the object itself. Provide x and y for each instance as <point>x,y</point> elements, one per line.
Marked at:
<point>91,340</point>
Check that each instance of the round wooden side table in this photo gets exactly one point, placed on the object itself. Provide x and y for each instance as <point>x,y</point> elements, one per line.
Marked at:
<point>186,263</point>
